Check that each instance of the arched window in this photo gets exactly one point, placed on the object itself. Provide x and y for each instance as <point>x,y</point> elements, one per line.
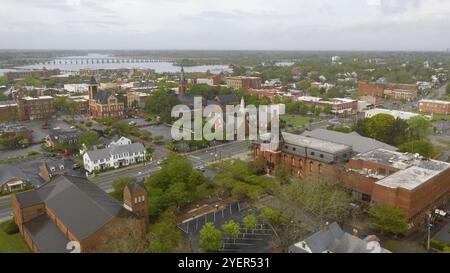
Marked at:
<point>320,168</point>
<point>311,166</point>
<point>300,167</point>
<point>292,165</point>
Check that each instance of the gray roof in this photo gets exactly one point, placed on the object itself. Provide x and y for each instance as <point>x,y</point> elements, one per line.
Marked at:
<point>79,204</point>
<point>358,143</point>
<point>314,143</point>
<point>335,240</point>
<point>46,235</point>
<point>228,99</point>
<point>92,81</point>
<point>8,172</point>
<point>115,150</point>
<point>103,96</point>
<point>57,136</point>
<point>132,186</point>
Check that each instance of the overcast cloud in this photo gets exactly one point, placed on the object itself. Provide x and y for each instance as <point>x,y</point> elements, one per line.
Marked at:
<point>226,24</point>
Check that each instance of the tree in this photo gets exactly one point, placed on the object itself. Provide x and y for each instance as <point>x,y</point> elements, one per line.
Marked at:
<point>119,184</point>
<point>303,85</point>
<point>249,222</point>
<point>327,109</point>
<point>388,219</point>
<point>325,200</point>
<point>419,128</point>
<point>210,238</point>
<point>3,80</point>
<point>175,185</point>
<point>257,166</point>
<point>447,89</point>
<point>123,237</point>
<point>422,147</point>
<point>380,127</point>
<point>161,102</point>
<point>165,237</point>
<point>231,229</point>
<point>282,173</point>
<point>89,139</point>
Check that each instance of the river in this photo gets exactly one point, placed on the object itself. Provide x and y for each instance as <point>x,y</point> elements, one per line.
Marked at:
<point>159,67</point>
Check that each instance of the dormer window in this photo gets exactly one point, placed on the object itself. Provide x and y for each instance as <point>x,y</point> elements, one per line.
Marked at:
<point>61,167</point>
<point>52,169</point>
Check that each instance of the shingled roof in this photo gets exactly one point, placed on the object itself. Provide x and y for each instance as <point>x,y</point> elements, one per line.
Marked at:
<point>79,204</point>
<point>115,150</point>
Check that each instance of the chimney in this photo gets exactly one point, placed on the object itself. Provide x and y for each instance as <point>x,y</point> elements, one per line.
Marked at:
<point>326,227</point>
<point>355,232</point>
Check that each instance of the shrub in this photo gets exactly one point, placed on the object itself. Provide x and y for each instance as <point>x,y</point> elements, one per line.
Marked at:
<point>89,124</point>
<point>10,227</point>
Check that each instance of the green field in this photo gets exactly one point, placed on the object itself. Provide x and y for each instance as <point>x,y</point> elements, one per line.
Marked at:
<point>11,243</point>
<point>295,120</point>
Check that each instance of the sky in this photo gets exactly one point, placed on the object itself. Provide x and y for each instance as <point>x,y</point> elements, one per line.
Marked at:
<point>410,25</point>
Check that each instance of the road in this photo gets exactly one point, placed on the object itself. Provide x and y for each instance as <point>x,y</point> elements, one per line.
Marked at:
<point>198,158</point>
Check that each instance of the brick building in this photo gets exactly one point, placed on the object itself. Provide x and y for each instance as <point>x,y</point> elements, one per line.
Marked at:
<point>373,175</point>
<point>8,110</point>
<point>439,107</point>
<point>339,106</point>
<point>395,91</point>
<point>31,108</point>
<point>303,155</point>
<point>243,82</point>
<point>103,103</point>
<point>400,180</point>
<point>72,208</point>
<point>41,73</point>
<point>136,99</point>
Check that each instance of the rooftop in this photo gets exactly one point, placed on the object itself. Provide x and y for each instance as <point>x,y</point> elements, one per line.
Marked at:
<point>436,101</point>
<point>38,98</point>
<point>401,161</point>
<point>409,178</point>
<point>358,143</point>
<point>314,143</point>
<point>115,150</point>
<point>77,203</point>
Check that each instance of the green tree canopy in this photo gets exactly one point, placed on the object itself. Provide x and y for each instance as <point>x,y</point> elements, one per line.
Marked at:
<point>176,184</point>
<point>231,229</point>
<point>419,128</point>
<point>388,219</point>
<point>165,237</point>
<point>210,238</point>
<point>249,221</point>
<point>90,139</point>
<point>422,147</point>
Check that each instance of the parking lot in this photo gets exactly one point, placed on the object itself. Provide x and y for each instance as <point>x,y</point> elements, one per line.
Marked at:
<point>256,240</point>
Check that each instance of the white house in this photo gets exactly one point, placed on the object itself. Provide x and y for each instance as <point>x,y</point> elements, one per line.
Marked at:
<point>332,239</point>
<point>120,141</point>
<point>395,113</point>
<point>114,156</point>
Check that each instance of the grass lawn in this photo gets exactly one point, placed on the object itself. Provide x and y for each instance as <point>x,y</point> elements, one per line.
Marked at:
<point>12,243</point>
<point>295,120</point>
<point>441,117</point>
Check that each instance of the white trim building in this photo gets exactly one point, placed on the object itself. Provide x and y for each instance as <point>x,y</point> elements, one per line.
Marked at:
<point>114,156</point>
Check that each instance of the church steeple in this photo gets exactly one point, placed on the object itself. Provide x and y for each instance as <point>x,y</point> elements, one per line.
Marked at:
<point>182,87</point>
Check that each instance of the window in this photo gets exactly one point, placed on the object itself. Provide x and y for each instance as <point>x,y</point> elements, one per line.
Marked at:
<point>293,149</point>
<point>311,166</point>
<point>321,155</point>
<point>381,171</point>
<point>366,197</point>
<point>135,200</point>
<point>312,153</point>
<point>320,168</point>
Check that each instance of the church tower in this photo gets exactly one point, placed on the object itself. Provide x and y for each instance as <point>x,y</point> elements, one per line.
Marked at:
<point>182,87</point>
<point>92,88</point>
<point>135,199</point>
